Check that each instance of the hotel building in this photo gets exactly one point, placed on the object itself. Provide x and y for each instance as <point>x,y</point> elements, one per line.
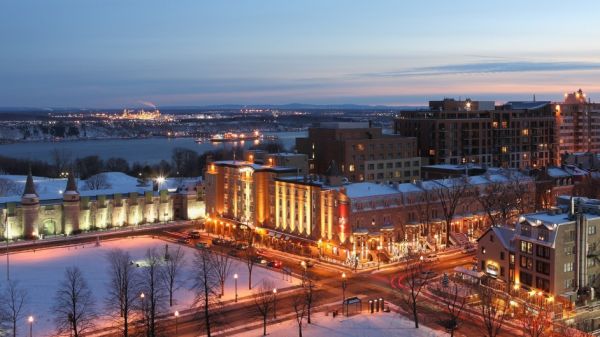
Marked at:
<point>329,216</point>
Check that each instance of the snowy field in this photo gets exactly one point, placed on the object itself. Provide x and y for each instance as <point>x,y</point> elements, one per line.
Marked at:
<point>40,272</point>
<point>362,325</point>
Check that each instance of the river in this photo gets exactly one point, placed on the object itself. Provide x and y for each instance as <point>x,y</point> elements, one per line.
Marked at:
<point>148,150</point>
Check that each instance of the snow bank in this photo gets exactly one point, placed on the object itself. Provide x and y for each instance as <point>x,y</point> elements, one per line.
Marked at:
<point>40,273</point>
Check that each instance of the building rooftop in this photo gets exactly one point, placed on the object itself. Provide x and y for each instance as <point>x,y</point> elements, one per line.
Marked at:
<point>366,189</point>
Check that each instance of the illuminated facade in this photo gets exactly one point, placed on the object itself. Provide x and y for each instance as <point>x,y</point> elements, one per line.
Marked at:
<point>347,222</point>
<point>34,217</point>
<point>515,135</point>
<point>550,255</point>
<point>577,124</point>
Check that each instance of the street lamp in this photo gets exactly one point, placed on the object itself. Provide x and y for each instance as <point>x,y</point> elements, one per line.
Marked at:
<point>235,277</point>
<point>274,303</point>
<point>303,264</point>
<point>343,290</point>
<point>176,326</point>
<point>30,320</point>
<point>142,297</point>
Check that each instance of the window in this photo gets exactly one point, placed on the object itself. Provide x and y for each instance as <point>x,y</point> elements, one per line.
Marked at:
<point>526,262</point>
<point>542,267</point>
<point>543,234</point>
<point>491,238</point>
<point>542,283</point>
<point>569,250</point>
<point>511,259</point>
<point>568,267</point>
<point>482,250</point>
<point>351,167</point>
<point>591,262</point>
<point>591,230</point>
<point>525,230</point>
<point>501,255</point>
<point>526,278</point>
<point>371,166</point>
<point>542,251</point>
<point>526,247</point>
<point>569,283</point>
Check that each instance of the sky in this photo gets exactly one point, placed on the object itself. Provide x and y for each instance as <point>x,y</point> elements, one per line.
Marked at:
<point>120,53</point>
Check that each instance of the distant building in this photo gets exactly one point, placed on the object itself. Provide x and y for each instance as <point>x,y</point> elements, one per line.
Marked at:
<point>555,253</point>
<point>299,161</point>
<point>363,152</point>
<point>36,216</point>
<point>577,124</point>
<point>514,135</point>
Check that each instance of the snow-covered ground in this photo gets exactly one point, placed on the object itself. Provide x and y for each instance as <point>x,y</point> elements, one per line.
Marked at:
<point>361,325</point>
<point>40,273</point>
<point>52,188</point>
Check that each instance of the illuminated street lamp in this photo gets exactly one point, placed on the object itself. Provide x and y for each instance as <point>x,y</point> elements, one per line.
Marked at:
<point>235,277</point>
<point>303,264</point>
<point>176,326</point>
<point>274,303</point>
<point>30,320</point>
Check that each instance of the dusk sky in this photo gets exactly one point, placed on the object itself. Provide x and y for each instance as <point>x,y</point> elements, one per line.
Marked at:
<point>119,53</point>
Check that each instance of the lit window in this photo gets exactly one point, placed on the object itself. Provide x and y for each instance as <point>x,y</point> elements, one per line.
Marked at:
<point>525,132</point>
<point>351,167</point>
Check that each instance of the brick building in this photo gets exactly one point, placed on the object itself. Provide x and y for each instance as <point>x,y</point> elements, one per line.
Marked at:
<point>363,152</point>
<point>515,135</point>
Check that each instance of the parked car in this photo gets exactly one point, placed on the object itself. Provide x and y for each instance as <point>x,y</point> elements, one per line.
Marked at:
<point>275,264</point>
<point>259,260</point>
<point>260,252</point>
<point>219,242</point>
<point>241,246</point>
<point>308,263</point>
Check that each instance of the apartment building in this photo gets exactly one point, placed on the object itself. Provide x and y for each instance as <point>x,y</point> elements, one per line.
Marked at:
<point>514,135</point>
<point>363,152</point>
<point>577,124</point>
<point>556,253</point>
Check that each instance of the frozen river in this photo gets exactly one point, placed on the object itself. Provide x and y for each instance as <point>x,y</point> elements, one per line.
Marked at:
<point>149,150</point>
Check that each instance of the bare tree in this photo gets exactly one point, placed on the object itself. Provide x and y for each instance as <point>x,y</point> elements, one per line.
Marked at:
<point>61,160</point>
<point>415,280</point>
<point>222,264</point>
<point>264,300</point>
<point>535,321</point>
<point>122,287</point>
<point>450,193</point>
<point>309,287</point>
<point>494,311</point>
<point>8,187</point>
<point>299,305</point>
<point>13,304</point>
<point>74,308</point>
<point>153,288</point>
<point>454,304</point>
<point>206,284</point>
<point>97,182</point>
<point>174,263</point>
<point>424,207</point>
<point>250,257</point>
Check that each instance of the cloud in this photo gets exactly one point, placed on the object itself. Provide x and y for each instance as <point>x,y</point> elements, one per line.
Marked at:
<point>488,68</point>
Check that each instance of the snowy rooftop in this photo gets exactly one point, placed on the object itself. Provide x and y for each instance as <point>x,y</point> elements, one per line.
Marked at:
<point>116,183</point>
<point>254,166</point>
<point>361,190</point>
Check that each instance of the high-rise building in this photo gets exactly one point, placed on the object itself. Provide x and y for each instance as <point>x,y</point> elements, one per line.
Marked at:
<point>362,152</point>
<point>577,124</point>
<point>515,135</point>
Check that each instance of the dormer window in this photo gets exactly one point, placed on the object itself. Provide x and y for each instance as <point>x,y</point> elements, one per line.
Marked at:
<point>525,229</point>
<point>543,234</point>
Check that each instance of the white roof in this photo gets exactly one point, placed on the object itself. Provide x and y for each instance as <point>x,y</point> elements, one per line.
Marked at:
<point>366,189</point>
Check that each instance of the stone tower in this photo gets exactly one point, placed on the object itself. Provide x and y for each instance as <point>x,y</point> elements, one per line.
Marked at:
<point>71,206</point>
<point>30,202</point>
